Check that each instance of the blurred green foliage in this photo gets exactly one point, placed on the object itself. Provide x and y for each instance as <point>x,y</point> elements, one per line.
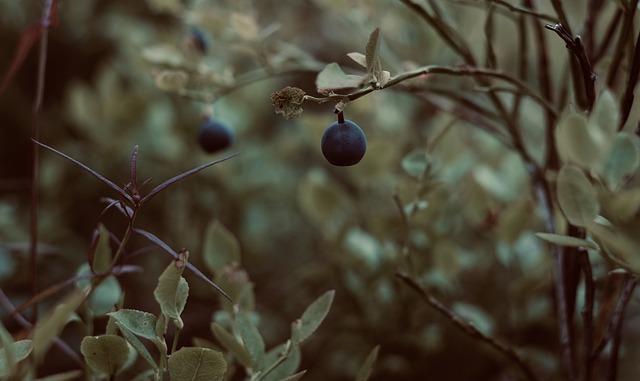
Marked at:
<point>277,226</point>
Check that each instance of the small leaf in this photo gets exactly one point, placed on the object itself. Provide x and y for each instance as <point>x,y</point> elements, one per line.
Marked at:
<point>49,327</point>
<point>191,267</point>
<point>137,344</point>
<point>220,247</point>
<point>288,102</point>
<point>372,51</point>
<point>564,240</point>
<point>197,364</point>
<point>577,198</point>
<point>605,114</point>
<point>415,162</point>
<point>138,322</point>
<point>232,345</point>
<point>624,249</point>
<point>312,317</point>
<point>294,377</point>
<point>106,354</point>
<point>576,142</point>
<point>333,78</point>
<point>12,353</point>
<point>365,370</point>
<point>252,340</point>
<point>172,292</point>
<point>622,161</point>
<point>289,355</point>
<point>359,58</point>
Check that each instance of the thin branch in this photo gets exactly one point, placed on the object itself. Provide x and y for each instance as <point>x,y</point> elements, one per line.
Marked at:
<point>587,312</point>
<point>608,36</point>
<point>623,36</point>
<point>627,101</point>
<point>526,10</point>
<point>616,325</point>
<point>469,328</point>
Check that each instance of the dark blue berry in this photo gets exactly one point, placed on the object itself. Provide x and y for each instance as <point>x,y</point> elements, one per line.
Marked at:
<point>343,143</point>
<point>214,135</point>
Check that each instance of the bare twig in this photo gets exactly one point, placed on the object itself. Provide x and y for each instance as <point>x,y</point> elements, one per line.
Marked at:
<point>587,312</point>
<point>630,284</point>
<point>468,327</point>
<point>623,37</point>
<point>627,101</point>
<point>576,47</point>
<point>608,36</point>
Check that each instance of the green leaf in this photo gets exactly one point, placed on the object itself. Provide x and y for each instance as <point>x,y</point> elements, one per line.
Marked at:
<point>294,377</point>
<point>577,143</point>
<point>577,198</point>
<point>137,345</point>
<point>358,58</point>
<point>12,353</point>
<point>312,317</point>
<point>197,364</point>
<point>220,247</point>
<point>106,354</point>
<point>49,327</point>
<point>232,345</point>
<point>622,161</point>
<point>105,296</point>
<point>289,357</point>
<point>333,78</point>
<point>172,292</point>
<point>252,340</point>
<point>138,322</point>
<point>623,250</point>
<point>604,116</point>
<point>564,240</point>
<point>365,370</point>
<point>415,162</point>
<point>372,51</point>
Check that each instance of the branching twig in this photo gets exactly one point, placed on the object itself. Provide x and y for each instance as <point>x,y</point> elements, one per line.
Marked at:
<point>575,46</point>
<point>469,328</point>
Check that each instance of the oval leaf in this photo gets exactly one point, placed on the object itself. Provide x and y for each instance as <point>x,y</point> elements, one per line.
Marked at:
<point>252,340</point>
<point>138,322</point>
<point>564,240</point>
<point>232,345</point>
<point>333,78</point>
<point>19,351</point>
<point>622,160</point>
<point>220,247</point>
<point>577,198</point>
<point>106,354</point>
<point>172,291</point>
<point>576,143</point>
<point>197,364</point>
<point>365,370</point>
<point>312,317</point>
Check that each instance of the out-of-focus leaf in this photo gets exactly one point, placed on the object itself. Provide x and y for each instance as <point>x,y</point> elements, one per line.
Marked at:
<point>312,317</point>
<point>294,377</point>
<point>604,116</point>
<point>171,80</point>
<point>28,38</point>
<point>578,144</point>
<point>365,369</point>
<point>197,364</point>
<point>289,364</point>
<point>12,353</point>
<point>475,315</point>
<point>622,161</point>
<point>332,77</point>
<point>106,354</point>
<point>50,326</point>
<point>245,25</point>
<point>172,292</point>
<point>138,322</point>
<point>358,58</point>
<point>372,51</point>
<point>624,250</point>
<point>232,345</point>
<point>103,255</point>
<point>252,339</point>
<point>415,162</point>
<point>164,55</point>
<point>220,247</point>
<point>72,375</point>
<point>576,196</point>
<point>620,206</point>
<point>564,240</point>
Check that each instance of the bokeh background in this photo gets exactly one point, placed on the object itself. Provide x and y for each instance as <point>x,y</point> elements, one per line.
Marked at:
<point>303,226</point>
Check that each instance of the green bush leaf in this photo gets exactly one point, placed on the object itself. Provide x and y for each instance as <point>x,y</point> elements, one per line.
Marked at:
<point>289,357</point>
<point>220,247</point>
<point>577,198</point>
<point>12,353</point>
<point>624,251</point>
<point>106,354</point>
<point>197,364</point>
<point>140,323</point>
<point>622,161</point>
<point>51,325</point>
<point>578,144</point>
<point>333,78</point>
<point>564,240</point>
<point>312,317</point>
<point>232,345</point>
<point>172,292</point>
<point>252,340</point>
<point>415,162</point>
<point>372,51</point>
<point>137,345</point>
<point>365,370</point>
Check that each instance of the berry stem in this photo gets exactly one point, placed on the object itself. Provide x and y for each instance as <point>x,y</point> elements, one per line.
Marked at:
<point>341,117</point>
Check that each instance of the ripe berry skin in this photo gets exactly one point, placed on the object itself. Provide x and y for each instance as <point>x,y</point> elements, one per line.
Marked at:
<point>343,144</point>
<point>214,136</point>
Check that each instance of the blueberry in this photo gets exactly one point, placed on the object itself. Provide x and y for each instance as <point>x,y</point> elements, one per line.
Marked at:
<point>214,135</point>
<point>197,41</point>
<point>343,143</point>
